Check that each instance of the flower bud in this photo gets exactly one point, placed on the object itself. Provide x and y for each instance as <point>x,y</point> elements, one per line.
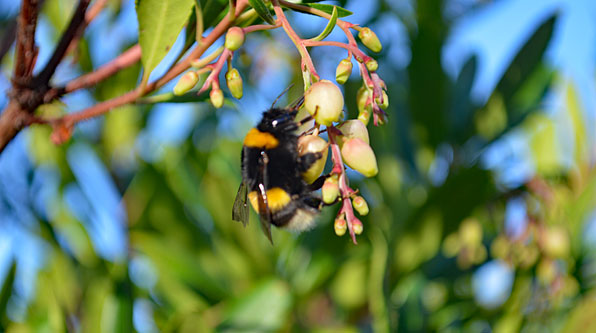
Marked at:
<point>217,98</point>
<point>370,40</point>
<point>364,107</point>
<point>330,189</point>
<point>343,71</point>
<point>186,82</point>
<point>324,101</point>
<point>313,144</point>
<point>360,205</point>
<point>234,82</point>
<point>372,65</point>
<point>359,156</point>
<point>340,226</point>
<point>234,38</point>
<point>364,116</point>
<point>385,103</point>
<point>353,128</point>
<point>357,226</point>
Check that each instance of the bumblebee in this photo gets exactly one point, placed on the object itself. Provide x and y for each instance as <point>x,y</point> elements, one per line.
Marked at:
<point>271,175</point>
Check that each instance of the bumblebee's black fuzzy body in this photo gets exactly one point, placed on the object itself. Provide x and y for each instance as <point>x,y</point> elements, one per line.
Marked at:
<point>271,172</point>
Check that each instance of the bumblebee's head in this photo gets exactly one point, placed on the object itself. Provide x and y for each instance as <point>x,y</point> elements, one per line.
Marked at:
<point>278,121</point>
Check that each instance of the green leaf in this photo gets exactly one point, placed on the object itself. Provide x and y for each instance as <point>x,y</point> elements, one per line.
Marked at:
<point>160,22</point>
<point>6,291</point>
<point>264,309</point>
<point>341,12</point>
<point>329,26</point>
<point>262,10</point>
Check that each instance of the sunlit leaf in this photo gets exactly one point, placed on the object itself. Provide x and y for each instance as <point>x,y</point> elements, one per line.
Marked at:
<point>330,25</point>
<point>160,22</point>
<point>262,10</point>
<point>341,12</point>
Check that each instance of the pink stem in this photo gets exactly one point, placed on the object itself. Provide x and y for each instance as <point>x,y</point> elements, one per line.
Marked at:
<point>213,78</point>
<point>344,189</point>
<point>299,42</point>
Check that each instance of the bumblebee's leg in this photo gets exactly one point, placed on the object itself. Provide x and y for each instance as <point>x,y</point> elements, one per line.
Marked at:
<point>306,161</point>
<point>318,183</point>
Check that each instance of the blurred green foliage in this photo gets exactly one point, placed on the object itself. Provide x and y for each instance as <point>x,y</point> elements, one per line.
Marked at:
<point>189,268</point>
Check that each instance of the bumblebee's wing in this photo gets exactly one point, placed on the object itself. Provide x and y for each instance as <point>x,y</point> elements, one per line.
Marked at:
<point>264,212</point>
<point>240,208</point>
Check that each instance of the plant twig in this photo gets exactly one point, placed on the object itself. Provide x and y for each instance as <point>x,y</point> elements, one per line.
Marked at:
<point>26,52</point>
<point>180,67</point>
<point>126,59</point>
<point>344,189</point>
<point>306,59</point>
<point>76,21</point>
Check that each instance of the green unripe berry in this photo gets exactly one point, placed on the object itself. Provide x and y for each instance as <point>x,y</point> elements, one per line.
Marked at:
<point>217,98</point>
<point>360,205</point>
<point>343,71</point>
<point>186,82</point>
<point>340,226</point>
<point>353,128</point>
<point>234,82</point>
<point>357,227</point>
<point>330,190</point>
<point>359,156</point>
<point>325,102</point>
<point>313,144</point>
<point>370,40</point>
<point>372,65</point>
<point>234,38</point>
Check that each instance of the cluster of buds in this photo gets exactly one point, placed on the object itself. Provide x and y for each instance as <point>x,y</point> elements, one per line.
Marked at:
<point>323,100</point>
<point>233,41</point>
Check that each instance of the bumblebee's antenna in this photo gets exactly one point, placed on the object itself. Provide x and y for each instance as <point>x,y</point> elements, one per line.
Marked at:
<point>282,93</point>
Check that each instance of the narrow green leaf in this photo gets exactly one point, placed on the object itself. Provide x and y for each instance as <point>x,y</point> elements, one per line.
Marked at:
<point>6,291</point>
<point>262,10</point>
<point>329,26</point>
<point>160,22</point>
<point>341,12</point>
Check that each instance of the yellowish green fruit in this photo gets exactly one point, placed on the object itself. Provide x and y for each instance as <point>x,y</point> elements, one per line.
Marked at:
<point>217,98</point>
<point>234,38</point>
<point>340,226</point>
<point>385,104</point>
<point>359,156</point>
<point>330,189</point>
<point>360,205</point>
<point>325,102</point>
<point>364,108</point>
<point>343,71</point>
<point>370,40</point>
<point>372,65</point>
<point>186,82</point>
<point>357,227</point>
<point>313,144</point>
<point>234,82</point>
<point>353,128</point>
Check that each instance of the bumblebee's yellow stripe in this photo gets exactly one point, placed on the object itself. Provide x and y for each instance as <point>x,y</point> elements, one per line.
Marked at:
<point>258,139</point>
<point>276,199</point>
